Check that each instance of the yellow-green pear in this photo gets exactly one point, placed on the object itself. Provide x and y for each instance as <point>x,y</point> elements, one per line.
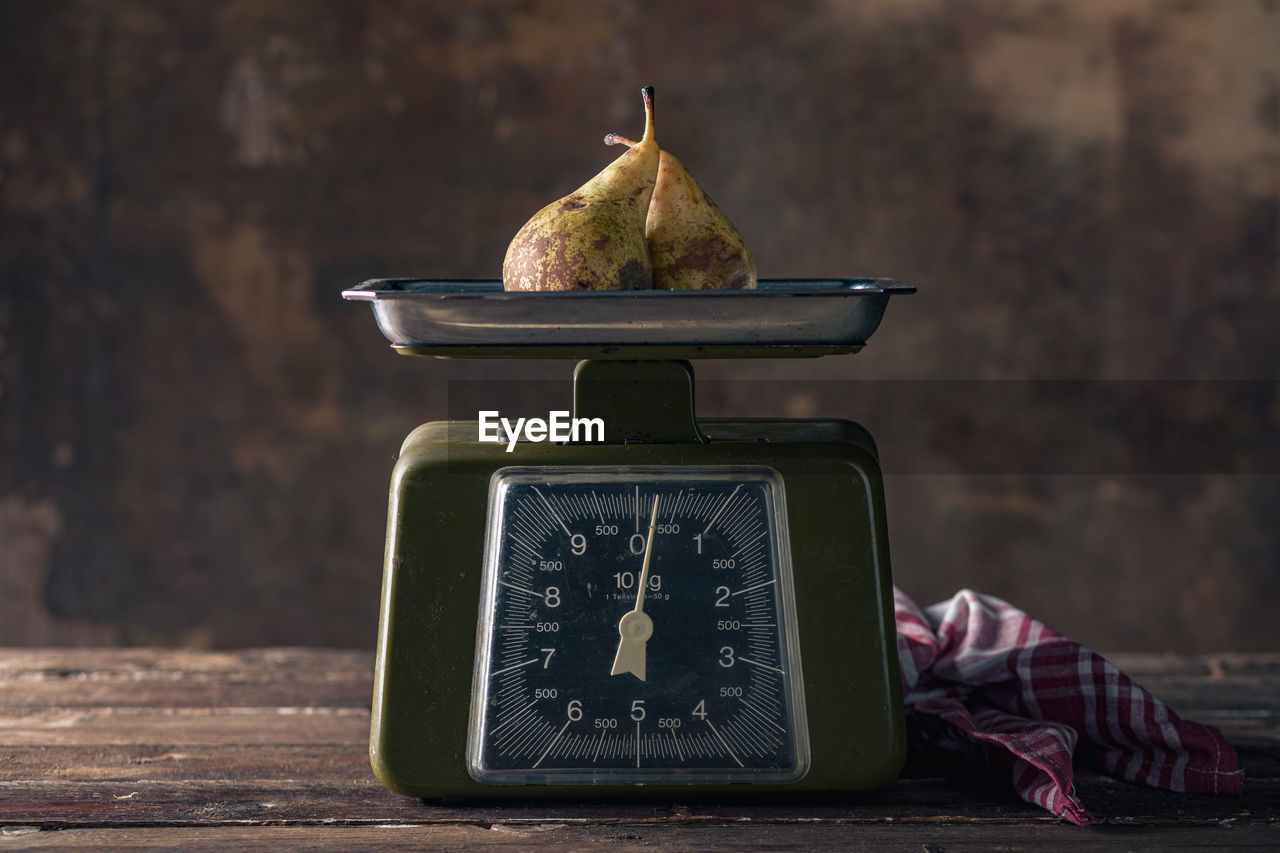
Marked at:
<point>692,244</point>
<point>593,238</point>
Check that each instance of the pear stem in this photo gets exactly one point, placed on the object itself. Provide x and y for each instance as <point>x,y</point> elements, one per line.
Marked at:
<point>617,139</point>
<point>647,94</point>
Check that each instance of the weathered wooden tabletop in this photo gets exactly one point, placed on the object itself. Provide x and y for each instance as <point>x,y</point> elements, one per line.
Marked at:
<point>137,748</point>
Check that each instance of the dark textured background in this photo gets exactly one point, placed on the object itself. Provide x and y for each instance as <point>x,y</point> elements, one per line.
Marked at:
<point>1078,412</point>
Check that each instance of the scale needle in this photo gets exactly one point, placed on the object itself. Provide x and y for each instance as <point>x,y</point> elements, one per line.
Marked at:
<point>636,627</point>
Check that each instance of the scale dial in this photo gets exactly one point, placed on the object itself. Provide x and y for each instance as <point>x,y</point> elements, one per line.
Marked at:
<point>580,678</point>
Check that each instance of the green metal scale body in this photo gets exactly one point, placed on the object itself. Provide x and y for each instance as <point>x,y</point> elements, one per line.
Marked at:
<point>843,728</point>
<point>659,606</point>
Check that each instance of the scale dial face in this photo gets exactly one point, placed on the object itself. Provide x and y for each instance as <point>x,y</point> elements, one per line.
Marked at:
<point>581,679</point>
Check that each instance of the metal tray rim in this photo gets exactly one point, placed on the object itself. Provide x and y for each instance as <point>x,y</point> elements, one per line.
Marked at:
<point>377,289</point>
<point>476,318</point>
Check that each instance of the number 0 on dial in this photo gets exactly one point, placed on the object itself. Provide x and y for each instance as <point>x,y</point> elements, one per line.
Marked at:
<point>637,625</point>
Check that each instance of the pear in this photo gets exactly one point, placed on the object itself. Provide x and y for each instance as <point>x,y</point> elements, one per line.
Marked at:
<point>692,244</point>
<point>593,238</point>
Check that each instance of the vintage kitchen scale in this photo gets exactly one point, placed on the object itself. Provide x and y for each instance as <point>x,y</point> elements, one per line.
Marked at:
<point>687,606</point>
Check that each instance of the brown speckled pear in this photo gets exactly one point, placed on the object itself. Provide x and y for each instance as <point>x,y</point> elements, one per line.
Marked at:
<point>593,238</point>
<point>692,244</point>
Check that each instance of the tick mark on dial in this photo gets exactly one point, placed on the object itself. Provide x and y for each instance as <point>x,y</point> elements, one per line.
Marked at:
<point>526,663</point>
<point>724,743</point>
<point>761,665</point>
<point>748,589</point>
<point>522,589</point>
<point>716,517</point>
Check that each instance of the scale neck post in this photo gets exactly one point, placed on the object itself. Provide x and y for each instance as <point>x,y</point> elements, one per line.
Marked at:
<point>640,402</point>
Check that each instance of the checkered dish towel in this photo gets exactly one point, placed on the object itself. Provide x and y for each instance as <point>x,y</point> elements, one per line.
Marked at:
<point>981,676</point>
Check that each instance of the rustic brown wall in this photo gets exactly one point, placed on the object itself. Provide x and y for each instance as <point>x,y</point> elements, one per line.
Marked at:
<point>195,433</point>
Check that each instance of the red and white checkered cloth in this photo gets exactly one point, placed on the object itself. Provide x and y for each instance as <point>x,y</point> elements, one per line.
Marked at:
<point>981,676</point>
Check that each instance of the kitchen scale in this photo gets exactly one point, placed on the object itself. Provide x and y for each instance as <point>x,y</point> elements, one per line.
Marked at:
<point>657,604</point>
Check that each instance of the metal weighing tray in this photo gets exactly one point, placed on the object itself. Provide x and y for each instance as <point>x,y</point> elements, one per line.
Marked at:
<point>478,319</point>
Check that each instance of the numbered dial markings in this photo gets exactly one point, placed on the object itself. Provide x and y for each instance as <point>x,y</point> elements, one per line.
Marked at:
<point>581,676</point>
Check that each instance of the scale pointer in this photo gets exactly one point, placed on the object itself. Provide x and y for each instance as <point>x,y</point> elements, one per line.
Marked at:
<point>635,627</point>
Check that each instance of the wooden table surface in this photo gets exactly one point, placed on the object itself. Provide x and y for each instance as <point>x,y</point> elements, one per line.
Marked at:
<point>140,748</point>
